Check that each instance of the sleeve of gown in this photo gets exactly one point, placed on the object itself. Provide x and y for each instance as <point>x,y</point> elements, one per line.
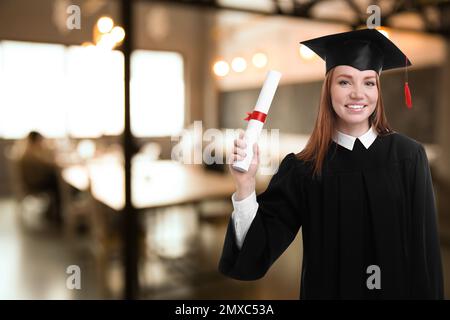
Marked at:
<point>426,277</point>
<point>273,228</point>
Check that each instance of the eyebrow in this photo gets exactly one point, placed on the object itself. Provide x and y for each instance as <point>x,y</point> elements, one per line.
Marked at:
<point>350,77</point>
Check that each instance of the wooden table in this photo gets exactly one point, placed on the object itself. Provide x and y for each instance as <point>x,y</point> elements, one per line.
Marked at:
<point>155,184</point>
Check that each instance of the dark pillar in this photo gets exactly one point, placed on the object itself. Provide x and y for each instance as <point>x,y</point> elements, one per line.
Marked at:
<point>130,232</point>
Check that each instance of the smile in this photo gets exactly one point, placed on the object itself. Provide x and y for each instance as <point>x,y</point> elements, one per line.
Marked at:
<point>355,106</point>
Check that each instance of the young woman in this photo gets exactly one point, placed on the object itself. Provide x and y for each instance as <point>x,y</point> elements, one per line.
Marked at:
<point>361,192</point>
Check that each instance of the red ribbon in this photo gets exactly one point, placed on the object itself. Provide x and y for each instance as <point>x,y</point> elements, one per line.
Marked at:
<point>408,99</point>
<point>256,115</point>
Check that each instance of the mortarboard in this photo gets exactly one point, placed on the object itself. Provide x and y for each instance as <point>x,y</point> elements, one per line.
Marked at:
<point>366,49</point>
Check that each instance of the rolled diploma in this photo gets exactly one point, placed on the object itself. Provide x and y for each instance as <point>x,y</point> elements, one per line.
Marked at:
<point>254,127</point>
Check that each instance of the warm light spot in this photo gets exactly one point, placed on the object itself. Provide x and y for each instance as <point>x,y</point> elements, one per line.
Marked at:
<point>105,24</point>
<point>221,68</point>
<point>259,60</point>
<point>239,64</point>
<point>118,34</point>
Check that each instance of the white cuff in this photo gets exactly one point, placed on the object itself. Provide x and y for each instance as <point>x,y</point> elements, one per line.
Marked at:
<point>243,215</point>
<point>244,205</point>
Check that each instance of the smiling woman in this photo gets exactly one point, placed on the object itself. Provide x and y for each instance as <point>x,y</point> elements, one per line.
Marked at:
<point>354,96</point>
<point>361,192</point>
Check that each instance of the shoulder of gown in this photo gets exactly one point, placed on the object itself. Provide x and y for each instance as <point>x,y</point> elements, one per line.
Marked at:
<point>404,146</point>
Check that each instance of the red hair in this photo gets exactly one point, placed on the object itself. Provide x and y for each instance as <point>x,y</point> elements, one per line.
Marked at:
<point>322,135</point>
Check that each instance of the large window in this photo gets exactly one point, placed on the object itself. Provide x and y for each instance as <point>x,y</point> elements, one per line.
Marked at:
<point>79,91</point>
<point>157,93</point>
<point>95,91</point>
<point>31,79</point>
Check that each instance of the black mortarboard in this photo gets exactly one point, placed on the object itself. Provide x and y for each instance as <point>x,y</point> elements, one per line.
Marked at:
<point>366,49</point>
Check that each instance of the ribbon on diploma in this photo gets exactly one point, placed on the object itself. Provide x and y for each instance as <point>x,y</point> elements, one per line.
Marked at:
<point>256,115</point>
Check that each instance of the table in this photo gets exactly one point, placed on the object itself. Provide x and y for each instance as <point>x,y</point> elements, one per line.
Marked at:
<point>155,184</point>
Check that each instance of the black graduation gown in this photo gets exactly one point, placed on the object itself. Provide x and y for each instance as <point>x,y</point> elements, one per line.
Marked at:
<point>370,207</point>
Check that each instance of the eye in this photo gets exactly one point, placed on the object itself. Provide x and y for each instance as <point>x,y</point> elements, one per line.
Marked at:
<point>370,83</point>
<point>343,82</point>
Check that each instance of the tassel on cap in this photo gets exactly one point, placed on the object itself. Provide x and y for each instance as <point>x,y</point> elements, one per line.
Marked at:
<point>408,100</point>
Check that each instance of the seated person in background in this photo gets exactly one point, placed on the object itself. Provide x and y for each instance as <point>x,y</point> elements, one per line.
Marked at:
<point>39,172</point>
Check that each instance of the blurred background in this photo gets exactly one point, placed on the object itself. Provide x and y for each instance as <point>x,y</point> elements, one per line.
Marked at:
<point>98,97</point>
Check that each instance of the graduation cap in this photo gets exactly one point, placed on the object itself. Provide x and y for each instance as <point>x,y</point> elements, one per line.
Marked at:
<point>366,49</point>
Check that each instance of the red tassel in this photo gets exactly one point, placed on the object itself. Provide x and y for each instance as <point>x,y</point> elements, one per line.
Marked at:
<point>408,99</point>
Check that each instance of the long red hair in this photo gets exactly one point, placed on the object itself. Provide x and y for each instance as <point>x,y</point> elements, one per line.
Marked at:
<point>322,135</point>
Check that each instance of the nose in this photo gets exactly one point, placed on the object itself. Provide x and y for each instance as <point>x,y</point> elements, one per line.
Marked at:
<point>357,93</point>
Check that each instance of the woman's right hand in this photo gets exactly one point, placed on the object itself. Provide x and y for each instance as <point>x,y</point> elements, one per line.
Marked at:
<point>245,181</point>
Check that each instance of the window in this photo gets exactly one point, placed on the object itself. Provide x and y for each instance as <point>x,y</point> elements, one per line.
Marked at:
<point>157,93</point>
<point>79,91</point>
<point>95,92</point>
<point>31,89</point>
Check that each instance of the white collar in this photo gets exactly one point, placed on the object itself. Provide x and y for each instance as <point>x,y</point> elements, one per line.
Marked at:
<point>348,141</point>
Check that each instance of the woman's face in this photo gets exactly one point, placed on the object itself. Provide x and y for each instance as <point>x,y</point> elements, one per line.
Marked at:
<point>354,95</point>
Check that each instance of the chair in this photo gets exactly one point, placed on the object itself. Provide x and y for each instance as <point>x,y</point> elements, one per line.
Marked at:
<point>30,206</point>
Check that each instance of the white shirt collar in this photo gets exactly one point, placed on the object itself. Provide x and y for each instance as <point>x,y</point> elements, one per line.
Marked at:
<point>348,141</point>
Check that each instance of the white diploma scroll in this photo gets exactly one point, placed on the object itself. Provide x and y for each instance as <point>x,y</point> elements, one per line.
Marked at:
<point>255,126</point>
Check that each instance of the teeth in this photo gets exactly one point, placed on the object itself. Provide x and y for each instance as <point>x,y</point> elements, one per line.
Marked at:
<point>355,106</point>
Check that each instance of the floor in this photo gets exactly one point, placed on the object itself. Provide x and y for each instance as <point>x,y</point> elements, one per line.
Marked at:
<point>34,262</point>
